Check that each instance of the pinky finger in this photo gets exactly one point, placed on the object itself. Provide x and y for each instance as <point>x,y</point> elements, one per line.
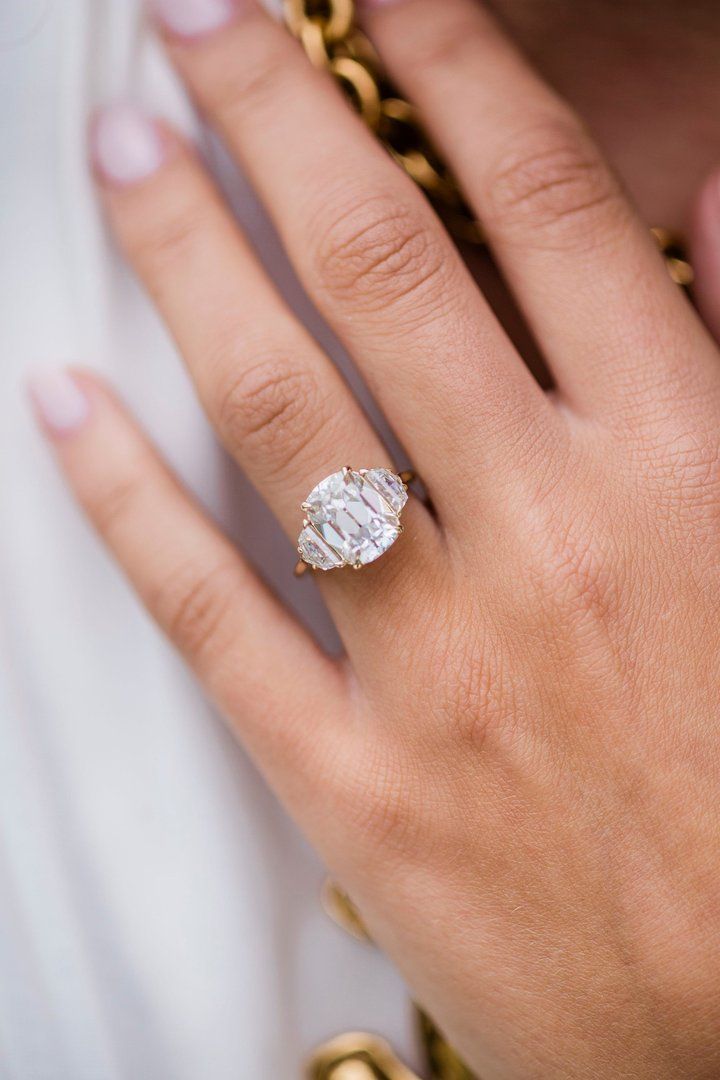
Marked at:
<point>705,252</point>
<point>262,669</point>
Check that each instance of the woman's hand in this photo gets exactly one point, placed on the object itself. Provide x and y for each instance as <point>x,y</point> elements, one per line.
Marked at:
<point>515,771</point>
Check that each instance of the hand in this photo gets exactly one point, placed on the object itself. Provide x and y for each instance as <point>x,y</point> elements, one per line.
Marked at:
<point>515,771</point>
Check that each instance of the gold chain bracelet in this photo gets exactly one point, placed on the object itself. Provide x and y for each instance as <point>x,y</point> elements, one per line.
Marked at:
<point>332,40</point>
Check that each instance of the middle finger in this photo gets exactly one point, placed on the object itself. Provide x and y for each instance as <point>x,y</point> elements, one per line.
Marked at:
<point>278,403</point>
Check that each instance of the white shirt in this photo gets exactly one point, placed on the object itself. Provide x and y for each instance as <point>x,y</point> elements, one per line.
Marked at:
<point>159,915</point>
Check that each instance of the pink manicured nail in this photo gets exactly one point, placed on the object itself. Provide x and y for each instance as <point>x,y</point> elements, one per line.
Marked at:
<point>126,144</point>
<point>193,18</point>
<point>59,400</point>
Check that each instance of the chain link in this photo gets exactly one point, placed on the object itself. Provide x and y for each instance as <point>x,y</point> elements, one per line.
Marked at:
<point>357,1056</point>
<point>332,40</point>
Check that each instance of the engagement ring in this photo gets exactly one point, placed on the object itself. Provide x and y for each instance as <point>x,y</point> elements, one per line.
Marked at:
<point>352,518</point>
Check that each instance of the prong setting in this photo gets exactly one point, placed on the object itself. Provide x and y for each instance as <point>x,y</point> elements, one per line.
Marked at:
<point>352,518</point>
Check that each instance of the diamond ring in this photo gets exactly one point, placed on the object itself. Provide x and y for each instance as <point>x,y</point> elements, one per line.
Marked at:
<point>352,518</point>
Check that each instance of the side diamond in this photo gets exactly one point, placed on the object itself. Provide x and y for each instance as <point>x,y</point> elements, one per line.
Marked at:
<point>315,551</point>
<point>390,487</point>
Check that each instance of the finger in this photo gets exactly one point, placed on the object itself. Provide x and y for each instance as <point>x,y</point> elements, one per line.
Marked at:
<point>278,403</point>
<point>582,266</point>
<point>705,253</point>
<point>368,249</point>
<point>262,669</point>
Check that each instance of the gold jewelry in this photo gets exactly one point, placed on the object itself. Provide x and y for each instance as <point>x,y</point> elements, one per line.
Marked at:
<point>673,251</point>
<point>356,1056</point>
<point>353,517</point>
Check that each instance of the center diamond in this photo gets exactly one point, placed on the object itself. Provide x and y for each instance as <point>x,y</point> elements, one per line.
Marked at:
<point>356,514</point>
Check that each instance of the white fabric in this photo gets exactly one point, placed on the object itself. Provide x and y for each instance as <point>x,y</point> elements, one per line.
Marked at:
<point>159,915</point>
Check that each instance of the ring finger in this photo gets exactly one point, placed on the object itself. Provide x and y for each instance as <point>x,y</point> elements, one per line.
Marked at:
<point>278,403</point>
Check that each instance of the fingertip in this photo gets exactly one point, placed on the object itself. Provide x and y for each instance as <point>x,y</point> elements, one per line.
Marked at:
<point>60,401</point>
<point>126,144</point>
<point>189,20</point>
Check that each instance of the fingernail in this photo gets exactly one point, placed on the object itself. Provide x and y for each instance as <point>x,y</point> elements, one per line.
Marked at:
<point>126,145</point>
<point>60,402</point>
<point>193,18</point>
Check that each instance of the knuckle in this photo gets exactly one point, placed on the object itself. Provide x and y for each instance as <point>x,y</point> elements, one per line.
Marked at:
<point>262,80</point>
<point>380,806</point>
<point>552,178</point>
<point>480,703</point>
<point>477,701</point>
<point>577,572</point>
<point>272,408</point>
<point>165,238</point>
<point>376,253</point>
<point>114,502</point>
<point>193,606</point>
<point>448,43</point>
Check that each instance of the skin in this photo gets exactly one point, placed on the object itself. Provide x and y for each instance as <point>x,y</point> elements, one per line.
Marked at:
<point>645,76</point>
<point>514,770</point>
<point>705,246</point>
<point>631,70</point>
<point>634,69</point>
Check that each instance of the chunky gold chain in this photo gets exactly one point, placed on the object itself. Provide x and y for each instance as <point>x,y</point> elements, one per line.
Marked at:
<point>333,41</point>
